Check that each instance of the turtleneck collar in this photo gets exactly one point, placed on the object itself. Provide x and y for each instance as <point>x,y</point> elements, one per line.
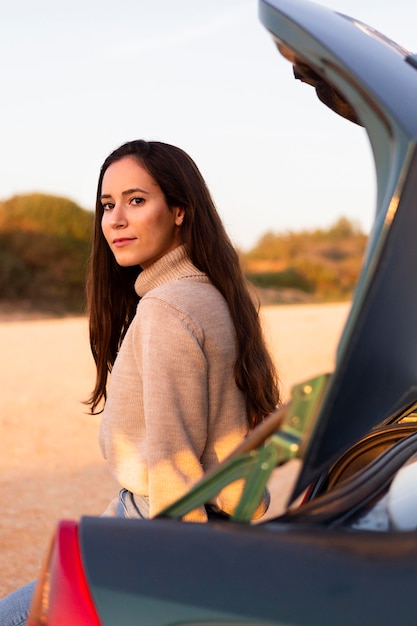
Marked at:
<point>174,265</point>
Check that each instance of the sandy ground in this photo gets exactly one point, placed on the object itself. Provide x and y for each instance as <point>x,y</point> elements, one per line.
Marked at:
<point>50,464</point>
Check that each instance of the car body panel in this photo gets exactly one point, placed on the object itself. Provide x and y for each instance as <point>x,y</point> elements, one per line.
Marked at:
<point>171,572</point>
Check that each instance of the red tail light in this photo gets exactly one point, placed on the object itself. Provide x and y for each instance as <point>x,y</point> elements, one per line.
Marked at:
<point>62,597</point>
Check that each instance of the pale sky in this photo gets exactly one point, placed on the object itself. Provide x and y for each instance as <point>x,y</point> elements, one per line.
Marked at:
<point>80,77</point>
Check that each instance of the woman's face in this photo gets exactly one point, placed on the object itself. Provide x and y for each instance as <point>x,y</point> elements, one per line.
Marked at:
<point>137,222</point>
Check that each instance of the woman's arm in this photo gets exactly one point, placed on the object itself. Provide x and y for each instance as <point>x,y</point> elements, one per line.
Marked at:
<point>170,358</point>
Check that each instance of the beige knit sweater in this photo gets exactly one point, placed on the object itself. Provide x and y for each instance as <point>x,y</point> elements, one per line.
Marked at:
<point>173,409</point>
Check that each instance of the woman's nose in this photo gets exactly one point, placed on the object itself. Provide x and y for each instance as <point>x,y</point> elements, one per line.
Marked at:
<point>118,217</point>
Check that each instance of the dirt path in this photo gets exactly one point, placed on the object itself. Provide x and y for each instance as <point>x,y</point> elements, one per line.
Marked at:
<point>50,464</point>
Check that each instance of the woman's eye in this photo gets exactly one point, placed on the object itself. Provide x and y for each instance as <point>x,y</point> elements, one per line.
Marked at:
<point>107,206</point>
<point>137,201</point>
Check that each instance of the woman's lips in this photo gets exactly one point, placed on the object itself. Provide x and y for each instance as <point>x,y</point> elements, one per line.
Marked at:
<point>122,241</point>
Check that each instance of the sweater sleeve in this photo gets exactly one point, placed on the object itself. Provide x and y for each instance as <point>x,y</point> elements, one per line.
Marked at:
<point>170,357</point>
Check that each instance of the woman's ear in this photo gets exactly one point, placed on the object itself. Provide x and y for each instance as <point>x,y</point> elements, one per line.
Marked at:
<point>179,215</point>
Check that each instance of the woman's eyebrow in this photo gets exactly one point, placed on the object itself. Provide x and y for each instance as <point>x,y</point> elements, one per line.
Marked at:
<point>125,193</point>
<point>134,190</point>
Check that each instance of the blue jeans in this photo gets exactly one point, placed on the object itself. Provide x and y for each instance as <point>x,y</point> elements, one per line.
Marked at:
<point>14,608</point>
<point>131,506</point>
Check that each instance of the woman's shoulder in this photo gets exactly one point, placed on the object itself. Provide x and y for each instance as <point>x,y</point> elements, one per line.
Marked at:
<point>185,290</point>
<point>197,300</point>
<point>188,306</point>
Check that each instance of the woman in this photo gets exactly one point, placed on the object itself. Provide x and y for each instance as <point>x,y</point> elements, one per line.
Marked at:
<point>193,375</point>
<point>172,319</point>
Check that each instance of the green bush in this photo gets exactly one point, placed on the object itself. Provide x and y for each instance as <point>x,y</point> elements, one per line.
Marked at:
<point>44,249</point>
<point>325,263</point>
<point>290,278</point>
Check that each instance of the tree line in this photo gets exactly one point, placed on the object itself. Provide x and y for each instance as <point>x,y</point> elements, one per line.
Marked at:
<point>323,264</point>
<point>45,242</point>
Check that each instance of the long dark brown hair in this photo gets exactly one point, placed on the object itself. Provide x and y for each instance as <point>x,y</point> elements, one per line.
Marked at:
<point>112,300</point>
